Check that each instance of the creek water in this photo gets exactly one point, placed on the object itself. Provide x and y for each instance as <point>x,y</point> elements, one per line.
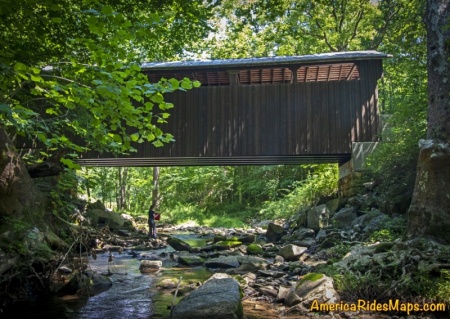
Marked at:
<point>132,294</point>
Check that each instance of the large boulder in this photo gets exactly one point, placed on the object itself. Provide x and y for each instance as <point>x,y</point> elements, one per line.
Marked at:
<point>318,217</point>
<point>191,260</point>
<point>344,217</point>
<point>103,217</point>
<point>220,297</point>
<point>311,288</point>
<point>222,262</point>
<point>291,252</point>
<point>371,221</point>
<point>179,244</point>
<point>274,232</point>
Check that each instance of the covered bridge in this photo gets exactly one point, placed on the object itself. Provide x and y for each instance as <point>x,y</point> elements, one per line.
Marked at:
<point>261,111</point>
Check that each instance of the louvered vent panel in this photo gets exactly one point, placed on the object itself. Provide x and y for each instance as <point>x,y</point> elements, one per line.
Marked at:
<point>263,76</point>
<point>332,72</point>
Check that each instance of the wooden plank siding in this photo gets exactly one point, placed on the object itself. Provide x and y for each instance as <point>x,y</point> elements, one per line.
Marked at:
<point>311,118</point>
<point>306,112</point>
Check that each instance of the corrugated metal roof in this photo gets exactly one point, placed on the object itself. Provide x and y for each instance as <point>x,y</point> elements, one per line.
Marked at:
<point>265,61</point>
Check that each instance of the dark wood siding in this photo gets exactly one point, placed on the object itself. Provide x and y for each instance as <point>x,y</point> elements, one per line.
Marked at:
<point>270,121</point>
<point>312,118</point>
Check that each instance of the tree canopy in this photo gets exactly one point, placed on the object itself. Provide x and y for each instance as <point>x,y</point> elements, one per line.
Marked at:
<point>73,69</point>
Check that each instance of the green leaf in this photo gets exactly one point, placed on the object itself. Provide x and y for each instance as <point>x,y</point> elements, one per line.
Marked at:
<point>20,67</point>
<point>51,111</point>
<point>70,163</point>
<point>134,137</point>
<point>157,98</point>
<point>107,10</point>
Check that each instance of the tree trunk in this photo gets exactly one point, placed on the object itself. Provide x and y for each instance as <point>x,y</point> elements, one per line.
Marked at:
<point>122,174</point>
<point>429,213</point>
<point>18,195</point>
<point>155,188</point>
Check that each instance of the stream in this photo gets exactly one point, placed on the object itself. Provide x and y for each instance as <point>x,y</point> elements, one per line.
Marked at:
<point>132,294</point>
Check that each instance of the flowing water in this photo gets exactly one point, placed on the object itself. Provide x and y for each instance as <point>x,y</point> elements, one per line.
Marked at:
<point>132,294</point>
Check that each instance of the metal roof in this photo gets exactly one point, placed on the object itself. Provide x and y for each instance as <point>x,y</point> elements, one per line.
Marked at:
<point>265,61</point>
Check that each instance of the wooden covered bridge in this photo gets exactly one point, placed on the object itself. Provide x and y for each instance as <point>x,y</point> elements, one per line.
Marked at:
<point>263,111</point>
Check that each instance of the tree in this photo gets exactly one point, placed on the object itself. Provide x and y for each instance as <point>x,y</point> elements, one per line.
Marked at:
<point>70,78</point>
<point>292,27</point>
<point>429,213</point>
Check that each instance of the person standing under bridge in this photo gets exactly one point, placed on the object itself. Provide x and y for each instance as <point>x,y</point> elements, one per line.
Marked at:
<point>152,218</point>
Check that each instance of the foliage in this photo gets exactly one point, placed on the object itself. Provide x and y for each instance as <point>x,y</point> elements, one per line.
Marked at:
<point>287,27</point>
<point>70,74</point>
<point>185,213</point>
<point>321,181</point>
<point>393,229</point>
<point>216,196</point>
<point>443,287</point>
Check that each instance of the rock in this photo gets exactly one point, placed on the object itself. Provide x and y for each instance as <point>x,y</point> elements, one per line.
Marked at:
<point>191,260</point>
<point>96,205</point>
<point>268,290</point>
<point>255,249</point>
<point>282,293</point>
<point>318,217</point>
<point>312,287</point>
<point>222,262</point>
<point>272,273</point>
<point>371,221</point>
<point>247,238</point>
<point>274,232</point>
<point>103,217</point>
<point>219,298</point>
<point>303,233</point>
<point>226,244</point>
<point>168,283</point>
<point>218,238</point>
<point>301,218</point>
<point>344,217</point>
<point>291,252</point>
<point>179,244</point>
<point>334,204</point>
<point>150,266</point>
<point>263,224</point>
<point>89,282</point>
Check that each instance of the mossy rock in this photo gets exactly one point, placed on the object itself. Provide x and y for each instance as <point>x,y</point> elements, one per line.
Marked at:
<point>310,277</point>
<point>254,249</point>
<point>219,238</point>
<point>191,260</point>
<point>226,244</point>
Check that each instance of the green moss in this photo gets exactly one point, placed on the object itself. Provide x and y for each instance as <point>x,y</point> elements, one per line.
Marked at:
<point>227,244</point>
<point>311,277</point>
<point>255,249</point>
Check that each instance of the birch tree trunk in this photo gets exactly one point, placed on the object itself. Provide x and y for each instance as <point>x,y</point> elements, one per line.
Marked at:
<point>155,187</point>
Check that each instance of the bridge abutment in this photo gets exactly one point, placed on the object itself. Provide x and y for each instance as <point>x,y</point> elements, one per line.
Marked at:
<point>354,173</point>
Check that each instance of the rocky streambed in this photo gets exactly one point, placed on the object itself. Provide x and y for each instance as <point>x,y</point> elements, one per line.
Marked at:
<point>273,269</point>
